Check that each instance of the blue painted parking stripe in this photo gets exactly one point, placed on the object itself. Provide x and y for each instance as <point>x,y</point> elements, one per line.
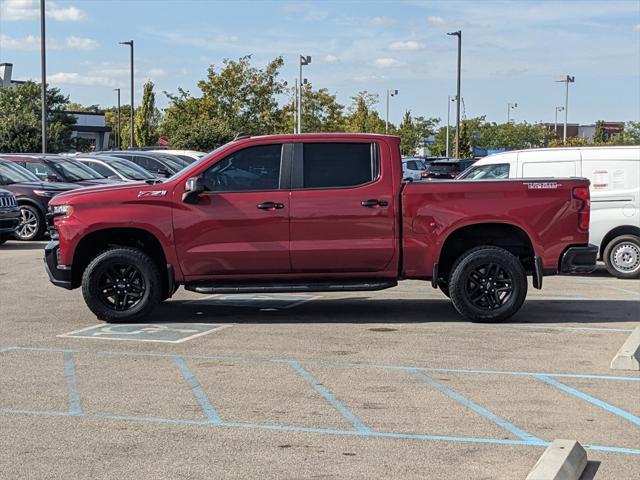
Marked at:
<point>330,397</point>
<point>588,398</point>
<point>293,429</point>
<point>476,408</point>
<point>198,392</point>
<point>72,384</point>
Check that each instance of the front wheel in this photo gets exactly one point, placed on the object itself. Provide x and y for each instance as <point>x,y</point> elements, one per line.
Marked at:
<point>31,226</point>
<point>488,284</point>
<point>622,256</point>
<point>122,285</point>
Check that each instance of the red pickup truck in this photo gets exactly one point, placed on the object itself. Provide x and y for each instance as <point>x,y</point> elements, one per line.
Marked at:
<point>315,212</point>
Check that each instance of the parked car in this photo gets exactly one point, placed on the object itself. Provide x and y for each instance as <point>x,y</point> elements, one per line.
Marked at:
<point>614,173</point>
<point>9,215</point>
<point>188,156</point>
<point>32,195</point>
<point>55,168</point>
<point>160,165</point>
<point>116,168</point>
<point>315,212</point>
<point>447,169</point>
<point>413,168</point>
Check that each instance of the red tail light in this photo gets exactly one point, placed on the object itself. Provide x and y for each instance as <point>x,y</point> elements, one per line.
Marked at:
<point>424,174</point>
<point>582,194</point>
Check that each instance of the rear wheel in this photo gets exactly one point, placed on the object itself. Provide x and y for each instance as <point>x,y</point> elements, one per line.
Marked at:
<point>122,285</point>
<point>31,226</point>
<point>488,284</point>
<point>3,238</point>
<point>622,256</point>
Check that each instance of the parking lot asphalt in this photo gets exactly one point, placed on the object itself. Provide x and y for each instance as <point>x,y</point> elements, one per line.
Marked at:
<point>390,384</point>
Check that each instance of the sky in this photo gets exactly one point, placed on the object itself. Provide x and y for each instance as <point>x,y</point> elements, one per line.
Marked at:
<point>511,50</point>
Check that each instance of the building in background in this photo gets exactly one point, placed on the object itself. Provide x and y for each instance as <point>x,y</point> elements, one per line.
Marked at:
<point>609,130</point>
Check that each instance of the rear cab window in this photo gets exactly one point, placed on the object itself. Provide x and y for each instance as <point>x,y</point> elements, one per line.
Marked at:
<point>336,165</point>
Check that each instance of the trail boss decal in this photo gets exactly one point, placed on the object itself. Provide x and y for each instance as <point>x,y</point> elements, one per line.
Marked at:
<point>542,185</point>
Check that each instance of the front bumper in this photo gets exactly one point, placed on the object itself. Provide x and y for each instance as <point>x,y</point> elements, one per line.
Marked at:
<point>59,275</point>
<point>9,219</point>
<point>579,259</point>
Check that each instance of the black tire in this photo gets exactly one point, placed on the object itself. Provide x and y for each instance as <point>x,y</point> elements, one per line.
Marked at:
<point>3,238</point>
<point>488,284</point>
<point>622,257</point>
<point>111,271</point>
<point>444,287</point>
<point>32,224</point>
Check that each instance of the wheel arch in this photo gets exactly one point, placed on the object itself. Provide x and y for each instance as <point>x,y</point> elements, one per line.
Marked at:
<point>505,235</point>
<point>616,232</point>
<point>99,240</point>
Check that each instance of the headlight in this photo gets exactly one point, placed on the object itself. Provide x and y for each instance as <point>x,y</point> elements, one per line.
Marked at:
<point>61,210</point>
<point>44,193</point>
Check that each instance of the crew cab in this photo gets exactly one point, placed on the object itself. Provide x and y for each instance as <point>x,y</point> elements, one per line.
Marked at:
<point>315,212</point>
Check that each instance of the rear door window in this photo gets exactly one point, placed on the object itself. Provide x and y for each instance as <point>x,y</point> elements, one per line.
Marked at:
<point>488,172</point>
<point>338,165</point>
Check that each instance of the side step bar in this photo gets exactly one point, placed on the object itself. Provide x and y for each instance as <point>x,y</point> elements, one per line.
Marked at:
<point>289,287</point>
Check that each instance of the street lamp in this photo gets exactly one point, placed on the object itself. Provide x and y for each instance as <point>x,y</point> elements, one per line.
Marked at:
<point>566,79</point>
<point>510,106</point>
<point>132,142</point>
<point>303,61</point>
<point>390,93</point>
<point>459,35</point>
<point>43,69</point>
<point>555,125</point>
<point>449,100</point>
<point>117,139</point>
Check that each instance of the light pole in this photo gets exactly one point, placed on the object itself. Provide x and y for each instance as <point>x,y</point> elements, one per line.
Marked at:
<point>510,106</point>
<point>459,35</point>
<point>390,93</point>
<point>303,61</point>
<point>555,125</point>
<point>449,100</point>
<point>117,142</point>
<point>132,141</point>
<point>566,79</point>
<point>43,69</point>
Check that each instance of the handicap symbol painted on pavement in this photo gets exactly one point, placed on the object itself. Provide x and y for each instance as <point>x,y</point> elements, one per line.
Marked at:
<point>146,332</point>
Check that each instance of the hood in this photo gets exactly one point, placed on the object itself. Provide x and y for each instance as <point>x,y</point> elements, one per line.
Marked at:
<point>49,186</point>
<point>98,181</point>
<point>119,187</point>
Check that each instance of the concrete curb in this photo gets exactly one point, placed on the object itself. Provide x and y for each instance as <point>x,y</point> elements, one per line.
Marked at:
<point>562,460</point>
<point>628,357</point>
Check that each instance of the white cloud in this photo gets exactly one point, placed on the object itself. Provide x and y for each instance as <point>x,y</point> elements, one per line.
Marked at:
<point>16,10</point>
<point>433,20</point>
<point>80,43</point>
<point>637,27</point>
<point>385,21</point>
<point>409,45</point>
<point>329,58</point>
<point>386,63</point>
<point>157,72</point>
<point>73,78</point>
<point>304,10</point>
<point>30,42</point>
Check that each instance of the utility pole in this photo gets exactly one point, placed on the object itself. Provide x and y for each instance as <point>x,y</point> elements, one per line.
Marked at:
<point>303,61</point>
<point>459,35</point>
<point>390,93</point>
<point>449,100</point>
<point>510,106</point>
<point>555,125</point>
<point>117,139</point>
<point>131,119</point>
<point>43,69</point>
<point>566,79</point>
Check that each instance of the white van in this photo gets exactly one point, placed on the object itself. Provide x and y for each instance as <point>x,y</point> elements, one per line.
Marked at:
<point>614,173</point>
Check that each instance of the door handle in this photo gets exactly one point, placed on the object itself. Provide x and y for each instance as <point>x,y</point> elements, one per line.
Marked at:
<point>374,203</point>
<point>270,206</point>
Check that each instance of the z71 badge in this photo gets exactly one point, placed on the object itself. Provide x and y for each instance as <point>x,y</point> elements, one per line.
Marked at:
<point>542,185</point>
<point>152,193</point>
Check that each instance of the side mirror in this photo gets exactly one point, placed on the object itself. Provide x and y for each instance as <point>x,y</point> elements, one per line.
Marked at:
<point>164,173</point>
<point>408,179</point>
<point>192,187</point>
<point>52,178</point>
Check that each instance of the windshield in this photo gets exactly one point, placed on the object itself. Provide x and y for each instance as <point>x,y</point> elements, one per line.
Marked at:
<point>487,172</point>
<point>204,158</point>
<point>74,171</point>
<point>172,160</point>
<point>130,170</point>
<point>10,173</point>
<point>443,167</point>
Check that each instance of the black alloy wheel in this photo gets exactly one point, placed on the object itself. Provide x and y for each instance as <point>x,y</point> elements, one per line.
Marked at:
<point>121,286</point>
<point>488,286</point>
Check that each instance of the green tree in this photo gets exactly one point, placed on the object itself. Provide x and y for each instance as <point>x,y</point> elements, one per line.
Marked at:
<point>205,135</point>
<point>321,112</point>
<point>600,136</point>
<point>631,133</point>
<point>111,120</point>
<point>20,120</point>
<point>147,118</point>
<point>362,117</point>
